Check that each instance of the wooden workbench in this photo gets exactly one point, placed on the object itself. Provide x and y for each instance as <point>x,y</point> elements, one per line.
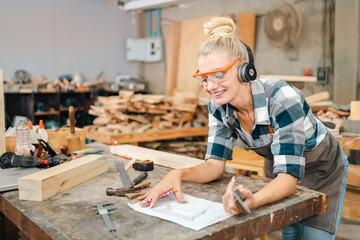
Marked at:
<point>68,215</point>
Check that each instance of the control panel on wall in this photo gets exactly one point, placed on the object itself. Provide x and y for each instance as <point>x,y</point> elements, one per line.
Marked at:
<point>144,49</point>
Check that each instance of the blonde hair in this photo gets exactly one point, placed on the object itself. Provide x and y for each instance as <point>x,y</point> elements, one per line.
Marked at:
<point>222,37</point>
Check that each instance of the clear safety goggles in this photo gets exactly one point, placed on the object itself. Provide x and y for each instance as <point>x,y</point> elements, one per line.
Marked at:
<point>215,76</point>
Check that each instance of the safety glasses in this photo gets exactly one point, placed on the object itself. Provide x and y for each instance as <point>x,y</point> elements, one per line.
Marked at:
<point>215,76</point>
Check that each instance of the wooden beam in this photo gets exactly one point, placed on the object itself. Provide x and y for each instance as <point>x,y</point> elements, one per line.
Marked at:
<point>172,57</point>
<point>291,78</point>
<point>47,183</point>
<point>2,115</point>
<point>354,176</point>
<point>349,143</point>
<point>160,158</point>
<point>246,25</point>
<point>317,97</point>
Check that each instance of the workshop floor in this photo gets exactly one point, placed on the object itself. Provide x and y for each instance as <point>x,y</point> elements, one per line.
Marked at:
<point>348,230</point>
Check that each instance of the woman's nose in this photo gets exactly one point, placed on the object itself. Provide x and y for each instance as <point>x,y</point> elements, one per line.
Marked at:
<point>210,85</point>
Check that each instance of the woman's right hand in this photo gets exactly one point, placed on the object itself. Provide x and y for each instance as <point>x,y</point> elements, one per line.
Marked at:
<point>171,181</point>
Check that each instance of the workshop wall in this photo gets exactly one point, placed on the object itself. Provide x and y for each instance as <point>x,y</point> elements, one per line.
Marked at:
<point>268,59</point>
<point>59,37</point>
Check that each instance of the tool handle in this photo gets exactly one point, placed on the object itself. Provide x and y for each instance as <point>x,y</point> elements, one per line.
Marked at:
<point>72,119</point>
<point>108,222</point>
<point>139,178</point>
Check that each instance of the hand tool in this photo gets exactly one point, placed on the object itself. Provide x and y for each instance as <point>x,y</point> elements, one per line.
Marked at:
<point>121,192</point>
<point>10,159</point>
<point>73,141</point>
<point>146,165</point>
<point>240,201</point>
<point>49,150</point>
<point>101,210</point>
<point>123,174</point>
<point>125,177</point>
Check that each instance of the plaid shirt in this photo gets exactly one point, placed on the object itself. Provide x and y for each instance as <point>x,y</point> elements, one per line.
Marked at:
<point>279,105</point>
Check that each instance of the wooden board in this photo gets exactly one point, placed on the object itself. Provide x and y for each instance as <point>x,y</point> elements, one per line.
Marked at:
<point>246,160</point>
<point>349,143</point>
<point>355,110</point>
<point>159,158</point>
<point>2,115</point>
<point>317,97</point>
<point>246,26</point>
<point>354,176</point>
<point>186,38</point>
<point>91,133</point>
<point>47,183</point>
<point>291,78</point>
<point>58,138</point>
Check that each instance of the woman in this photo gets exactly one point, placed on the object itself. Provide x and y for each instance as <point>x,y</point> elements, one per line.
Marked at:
<point>273,119</point>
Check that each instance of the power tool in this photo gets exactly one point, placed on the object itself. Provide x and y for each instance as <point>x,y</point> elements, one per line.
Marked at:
<point>10,159</point>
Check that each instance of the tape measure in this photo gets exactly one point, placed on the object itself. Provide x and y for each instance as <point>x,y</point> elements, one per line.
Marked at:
<point>140,165</point>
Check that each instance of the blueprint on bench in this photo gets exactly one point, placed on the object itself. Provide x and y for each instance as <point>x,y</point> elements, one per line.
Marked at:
<point>196,214</point>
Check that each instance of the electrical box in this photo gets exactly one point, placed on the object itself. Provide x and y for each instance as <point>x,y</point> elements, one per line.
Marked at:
<point>144,49</point>
<point>322,74</point>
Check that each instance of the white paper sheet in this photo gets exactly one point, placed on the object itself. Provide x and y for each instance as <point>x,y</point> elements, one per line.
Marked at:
<point>196,214</point>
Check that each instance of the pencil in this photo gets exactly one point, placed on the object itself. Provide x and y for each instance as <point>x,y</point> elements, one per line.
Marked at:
<point>163,195</point>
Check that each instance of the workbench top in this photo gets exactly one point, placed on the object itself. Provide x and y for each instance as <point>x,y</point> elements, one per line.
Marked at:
<point>68,215</point>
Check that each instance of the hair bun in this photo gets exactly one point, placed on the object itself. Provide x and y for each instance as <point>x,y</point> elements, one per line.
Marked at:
<point>220,27</point>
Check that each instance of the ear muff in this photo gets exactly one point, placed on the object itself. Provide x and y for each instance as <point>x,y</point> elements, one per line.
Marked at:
<point>247,71</point>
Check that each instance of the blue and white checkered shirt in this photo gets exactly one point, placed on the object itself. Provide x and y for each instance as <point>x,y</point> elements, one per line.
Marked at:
<point>294,125</point>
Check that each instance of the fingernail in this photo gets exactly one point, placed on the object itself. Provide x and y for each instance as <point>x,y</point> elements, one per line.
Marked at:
<point>233,178</point>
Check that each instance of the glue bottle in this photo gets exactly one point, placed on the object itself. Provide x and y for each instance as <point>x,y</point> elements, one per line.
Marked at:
<point>33,134</point>
<point>42,132</point>
<point>22,139</point>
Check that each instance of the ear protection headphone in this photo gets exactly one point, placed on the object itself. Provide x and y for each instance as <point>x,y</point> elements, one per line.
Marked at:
<point>247,71</point>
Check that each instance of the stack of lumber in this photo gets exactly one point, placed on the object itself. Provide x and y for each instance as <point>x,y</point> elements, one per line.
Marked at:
<point>131,113</point>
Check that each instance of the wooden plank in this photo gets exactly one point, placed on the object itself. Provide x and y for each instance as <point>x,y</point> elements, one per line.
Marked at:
<point>351,210</point>
<point>246,26</point>
<point>354,176</point>
<point>160,158</point>
<point>291,78</point>
<point>355,110</point>
<point>47,183</point>
<point>148,136</point>
<point>317,97</point>
<point>2,115</point>
<point>172,56</point>
<point>349,143</point>
<point>247,160</point>
<point>187,37</point>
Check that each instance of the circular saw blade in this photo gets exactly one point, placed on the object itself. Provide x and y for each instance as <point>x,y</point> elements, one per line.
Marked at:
<point>5,160</point>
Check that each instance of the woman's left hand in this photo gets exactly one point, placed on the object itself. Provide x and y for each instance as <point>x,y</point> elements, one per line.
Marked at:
<point>229,201</point>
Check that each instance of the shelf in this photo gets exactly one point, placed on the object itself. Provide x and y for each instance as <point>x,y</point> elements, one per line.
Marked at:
<point>46,113</point>
<point>66,109</point>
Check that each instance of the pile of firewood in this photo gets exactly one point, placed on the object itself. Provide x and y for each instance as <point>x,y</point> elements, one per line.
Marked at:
<point>135,113</point>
